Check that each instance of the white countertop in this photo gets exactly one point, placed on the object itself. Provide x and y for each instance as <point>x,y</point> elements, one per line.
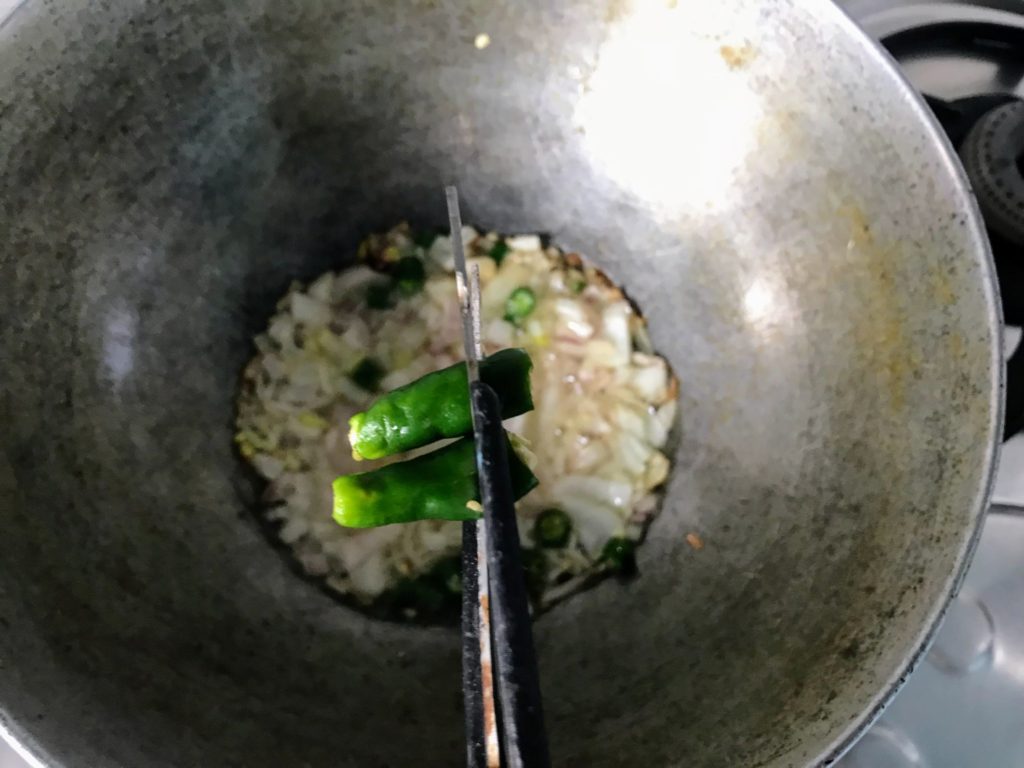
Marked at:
<point>6,6</point>
<point>8,759</point>
<point>1010,478</point>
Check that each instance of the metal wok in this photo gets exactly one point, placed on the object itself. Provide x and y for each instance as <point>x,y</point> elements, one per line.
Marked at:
<point>756,174</point>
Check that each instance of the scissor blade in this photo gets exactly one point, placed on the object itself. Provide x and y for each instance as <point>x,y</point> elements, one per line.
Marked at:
<point>469,293</point>
<point>475,606</point>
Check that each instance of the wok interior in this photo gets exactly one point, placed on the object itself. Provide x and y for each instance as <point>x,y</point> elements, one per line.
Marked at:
<point>170,168</point>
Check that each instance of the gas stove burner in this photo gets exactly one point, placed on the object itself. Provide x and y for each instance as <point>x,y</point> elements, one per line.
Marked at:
<point>1000,40</point>
<point>988,132</point>
<point>992,154</point>
<point>884,18</point>
<point>958,117</point>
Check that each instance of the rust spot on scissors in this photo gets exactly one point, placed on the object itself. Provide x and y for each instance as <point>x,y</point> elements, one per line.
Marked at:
<point>491,744</point>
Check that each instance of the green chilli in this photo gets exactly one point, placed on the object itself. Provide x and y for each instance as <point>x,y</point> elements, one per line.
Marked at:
<point>441,485</point>
<point>410,275</point>
<point>520,303</point>
<point>368,374</point>
<point>437,406</point>
<point>552,528</point>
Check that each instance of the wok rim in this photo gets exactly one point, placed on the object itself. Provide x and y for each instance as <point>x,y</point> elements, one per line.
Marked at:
<point>978,238</point>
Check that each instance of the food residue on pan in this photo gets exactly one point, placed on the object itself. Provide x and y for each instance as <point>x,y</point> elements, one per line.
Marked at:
<point>737,57</point>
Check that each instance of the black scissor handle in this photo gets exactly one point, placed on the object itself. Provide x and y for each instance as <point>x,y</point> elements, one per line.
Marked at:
<point>521,729</point>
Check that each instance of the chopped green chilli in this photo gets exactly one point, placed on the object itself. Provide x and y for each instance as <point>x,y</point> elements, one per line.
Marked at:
<point>499,251</point>
<point>368,374</point>
<point>577,282</point>
<point>440,485</point>
<point>379,296</point>
<point>620,556</point>
<point>552,528</point>
<point>436,406</point>
<point>434,594</point>
<point>424,239</point>
<point>409,275</point>
<point>521,302</point>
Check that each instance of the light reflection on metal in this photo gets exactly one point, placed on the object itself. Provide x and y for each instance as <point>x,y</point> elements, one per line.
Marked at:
<point>657,86</point>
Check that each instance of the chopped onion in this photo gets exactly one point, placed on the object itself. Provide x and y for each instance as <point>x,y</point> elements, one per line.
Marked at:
<point>577,489</point>
<point>589,456</point>
<point>632,421</point>
<point>356,335</point>
<point>524,243</point>
<point>335,350</point>
<point>600,352</point>
<point>659,424</point>
<point>513,274</point>
<point>370,577</point>
<point>293,530</point>
<point>348,284</point>
<point>282,330</point>
<point>594,517</point>
<point>274,366</point>
<point>263,344</point>
<point>405,375</point>
<point>488,268</point>
<point>500,333</point>
<point>604,406</point>
<point>657,470</point>
<point>315,564</point>
<point>650,379</point>
<point>656,432</point>
<point>310,311</point>
<point>516,424</point>
<point>615,327</point>
<point>633,453</point>
<point>322,289</point>
<point>439,291</point>
<point>268,466</point>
